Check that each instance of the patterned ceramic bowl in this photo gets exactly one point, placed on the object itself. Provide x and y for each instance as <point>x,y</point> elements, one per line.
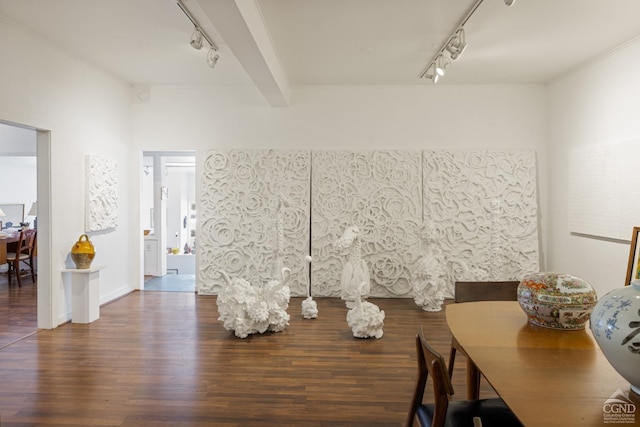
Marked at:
<point>557,301</point>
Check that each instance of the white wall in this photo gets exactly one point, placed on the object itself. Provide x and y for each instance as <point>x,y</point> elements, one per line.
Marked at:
<point>22,171</point>
<point>595,105</point>
<point>364,117</point>
<point>87,112</point>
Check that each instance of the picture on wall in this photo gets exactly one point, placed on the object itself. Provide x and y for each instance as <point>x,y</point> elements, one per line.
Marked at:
<point>101,194</point>
<point>13,214</point>
<point>633,266</point>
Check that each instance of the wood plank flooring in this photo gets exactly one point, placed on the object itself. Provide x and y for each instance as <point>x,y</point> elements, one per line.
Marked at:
<point>18,310</point>
<point>163,359</point>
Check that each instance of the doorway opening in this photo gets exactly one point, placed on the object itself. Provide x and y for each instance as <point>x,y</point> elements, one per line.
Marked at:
<point>25,159</point>
<point>168,214</point>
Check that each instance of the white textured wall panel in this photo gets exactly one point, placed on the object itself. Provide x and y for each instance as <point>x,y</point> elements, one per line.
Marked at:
<point>378,191</point>
<point>484,207</point>
<point>602,199</point>
<point>101,201</point>
<point>239,197</point>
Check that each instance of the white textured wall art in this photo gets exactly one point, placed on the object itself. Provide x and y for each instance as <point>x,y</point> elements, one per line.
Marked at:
<point>241,199</point>
<point>101,194</point>
<point>483,204</point>
<point>601,192</point>
<point>380,193</point>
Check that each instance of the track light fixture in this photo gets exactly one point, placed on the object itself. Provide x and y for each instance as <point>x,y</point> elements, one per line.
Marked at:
<point>509,2</point>
<point>441,65</point>
<point>457,44</point>
<point>212,58</point>
<point>196,39</point>
<point>454,46</point>
<point>199,36</point>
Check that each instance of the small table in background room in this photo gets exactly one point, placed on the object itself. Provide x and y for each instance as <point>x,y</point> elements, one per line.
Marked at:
<point>7,244</point>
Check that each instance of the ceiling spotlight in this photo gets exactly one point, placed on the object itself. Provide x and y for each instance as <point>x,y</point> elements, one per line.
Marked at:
<point>212,58</point>
<point>457,44</point>
<point>431,74</point>
<point>196,39</point>
<point>441,65</point>
<point>509,2</point>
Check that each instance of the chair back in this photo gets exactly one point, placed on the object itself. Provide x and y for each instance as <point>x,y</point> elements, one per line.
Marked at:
<point>26,242</point>
<point>486,291</point>
<point>430,362</point>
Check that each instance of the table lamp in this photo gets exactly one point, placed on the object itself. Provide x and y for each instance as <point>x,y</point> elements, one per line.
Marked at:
<point>34,212</point>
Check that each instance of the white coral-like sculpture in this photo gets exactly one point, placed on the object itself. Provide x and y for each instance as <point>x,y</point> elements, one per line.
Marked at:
<point>365,319</point>
<point>309,308</point>
<point>355,272</point>
<point>246,309</point>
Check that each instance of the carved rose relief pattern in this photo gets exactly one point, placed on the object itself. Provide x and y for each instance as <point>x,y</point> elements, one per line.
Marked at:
<point>483,204</point>
<point>239,197</point>
<point>101,201</point>
<point>380,193</point>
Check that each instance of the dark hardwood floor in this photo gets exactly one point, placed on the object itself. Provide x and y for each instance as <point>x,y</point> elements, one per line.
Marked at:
<point>163,359</point>
<point>18,310</point>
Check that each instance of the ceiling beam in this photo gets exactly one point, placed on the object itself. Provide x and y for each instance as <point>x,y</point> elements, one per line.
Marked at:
<point>240,24</point>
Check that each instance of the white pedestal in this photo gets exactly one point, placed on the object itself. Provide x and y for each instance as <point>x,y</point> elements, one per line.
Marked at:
<point>85,290</point>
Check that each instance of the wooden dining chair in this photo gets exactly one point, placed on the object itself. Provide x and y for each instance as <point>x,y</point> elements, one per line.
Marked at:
<point>480,291</point>
<point>24,254</point>
<point>445,412</point>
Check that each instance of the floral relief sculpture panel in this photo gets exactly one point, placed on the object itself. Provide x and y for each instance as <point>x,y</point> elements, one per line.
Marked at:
<point>379,192</point>
<point>254,208</point>
<point>101,193</point>
<point>483,204</point>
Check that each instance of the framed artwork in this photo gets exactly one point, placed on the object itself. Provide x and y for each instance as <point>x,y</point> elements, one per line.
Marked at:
<point>101,194</point>
<point>14,214</point>
<point>633,267</point>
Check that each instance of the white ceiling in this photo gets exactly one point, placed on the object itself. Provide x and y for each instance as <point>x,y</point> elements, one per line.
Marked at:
<point>275,44</point>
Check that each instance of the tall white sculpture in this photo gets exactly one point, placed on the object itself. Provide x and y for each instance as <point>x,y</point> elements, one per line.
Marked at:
<point>278,265</point>
<point>248,309</point>
<point>309,306</point>
<point>365,319</point>
<point>355,273</point>
<point>430,281</point>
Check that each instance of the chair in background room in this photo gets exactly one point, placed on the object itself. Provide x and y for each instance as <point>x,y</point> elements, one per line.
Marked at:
<point>445,412</point>
<point>24,254</point>
<point>479,291</point>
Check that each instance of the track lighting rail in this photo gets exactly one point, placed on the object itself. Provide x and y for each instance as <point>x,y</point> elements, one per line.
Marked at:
<point>452,37</point>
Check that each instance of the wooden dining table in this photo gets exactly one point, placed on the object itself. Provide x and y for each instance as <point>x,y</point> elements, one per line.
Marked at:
<point>7,242</point>
<point>547,377</point>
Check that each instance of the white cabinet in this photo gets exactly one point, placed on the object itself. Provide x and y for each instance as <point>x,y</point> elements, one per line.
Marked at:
<point>151,256</point>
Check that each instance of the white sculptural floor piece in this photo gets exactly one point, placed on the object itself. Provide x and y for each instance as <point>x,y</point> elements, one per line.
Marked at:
<point>430,283</point>
<point>309,306</point>
<point>247,309</point>
<point>365,319</point>
<point>355,272</point>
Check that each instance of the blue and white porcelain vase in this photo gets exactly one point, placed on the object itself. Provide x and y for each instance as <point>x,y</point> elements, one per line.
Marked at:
<point>615,323</point>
